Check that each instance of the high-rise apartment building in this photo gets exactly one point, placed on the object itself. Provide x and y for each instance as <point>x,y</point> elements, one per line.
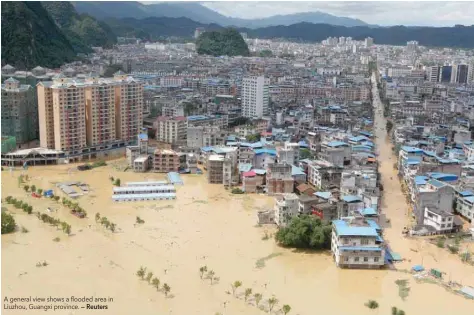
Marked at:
<point>75,114</point>
<point>461,74</point>
<point>19,111</point>
<point>255,96</point>
<point>412,46</point>
<point>369,41</point>
<point>445,74</point>
<point>432,73</point>
<point>470,73</point>
<point>171,129</point>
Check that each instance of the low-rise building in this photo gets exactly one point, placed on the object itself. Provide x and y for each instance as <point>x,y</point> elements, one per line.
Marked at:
<point>357,244</point>
<point>286,207</point>
<point>165,161</point>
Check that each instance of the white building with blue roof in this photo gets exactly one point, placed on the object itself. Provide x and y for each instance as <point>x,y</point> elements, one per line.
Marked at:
<point>357,243</point>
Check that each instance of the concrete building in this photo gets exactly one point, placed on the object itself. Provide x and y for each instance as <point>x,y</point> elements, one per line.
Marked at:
<point>76,114</point>
<point>279,179</point>
<point>432,74</point>
<point>19,112</point>
<point>255,96</point>
<point>465,204</point>
<point>171,129</point>
<point>368,42</point>
<point>165,161</point>
<point>219,169</point>
<point>356,243</point>
<point>205,136</point>
<point>434,195</point>
<point>286,207</point>
<point>441,221</point>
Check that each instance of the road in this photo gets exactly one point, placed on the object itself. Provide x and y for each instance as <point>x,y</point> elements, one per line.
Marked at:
<point>394,205</point>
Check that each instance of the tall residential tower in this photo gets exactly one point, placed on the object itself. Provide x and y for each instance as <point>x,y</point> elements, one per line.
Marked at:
<point>255,96</point>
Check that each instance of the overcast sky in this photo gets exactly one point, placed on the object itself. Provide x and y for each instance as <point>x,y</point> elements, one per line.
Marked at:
<point>382,13</point>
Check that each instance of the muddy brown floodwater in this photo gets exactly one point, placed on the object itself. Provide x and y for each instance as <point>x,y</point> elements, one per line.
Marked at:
<point>206,225</point>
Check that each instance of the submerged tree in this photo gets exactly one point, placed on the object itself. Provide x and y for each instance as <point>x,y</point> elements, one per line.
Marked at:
<point>272,302</point>
<point>141,273</point>
<point>166,289</point>
<point>237,284</point>
<point>156,283</point>
<point>202,270</point>
<point>258,297</point>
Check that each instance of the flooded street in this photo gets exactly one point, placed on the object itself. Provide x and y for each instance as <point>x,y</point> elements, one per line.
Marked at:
<point>206,226</point>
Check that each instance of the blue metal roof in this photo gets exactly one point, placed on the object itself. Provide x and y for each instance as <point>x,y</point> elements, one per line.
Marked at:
<point>336,144</point>
<point>421,180</point>
<point>245,167</point>
<point>466,193</point>
<point>266,151</point>
<point>358,138</point>
<point>373,224</point>
<point>469,199</point>
<point>295,171</point>
<point>368,211</point>
<point>351,198</point>
<point>436,183</point>
<point>443,177</point>
<point>206,149</point>
<point>144,196</point>
<point>411,149</point>
<point>360,248</point>
<point>323,194</point>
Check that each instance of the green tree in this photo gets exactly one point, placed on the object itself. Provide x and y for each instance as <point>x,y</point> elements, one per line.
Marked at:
<point>112,227</point>
<point>253,138</point>
<point>149,276</point>
<point>97,217</point>
<point>26,188</point>
<point>202,271</point>
<point>237,284</point>
<point>156,283</point>
<point>258,297</point>
<point>372,304</point>
<point>210,275</point>
<point>265,53</point>
<point>305,232</point>
<point>8,223</point>
<point>141,273</point>
<point>272,302</point>
<point>247,293</point>
<point>227,42</point>
<point>305,154</point>
<point>117,182</point>
<point>33,188</point>
<point>166,289</point>
<point>286,309</point>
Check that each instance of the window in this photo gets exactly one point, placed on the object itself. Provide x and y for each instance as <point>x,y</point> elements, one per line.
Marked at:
<point>366,259</point>
<point>376,259</point>
<point>356,259</point>
<point>346,259</point>
<point>364,241</point>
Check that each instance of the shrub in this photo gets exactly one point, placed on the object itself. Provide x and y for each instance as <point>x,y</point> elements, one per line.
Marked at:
<point>237,191</point>
<point>8,223</point>
<point>372,304</point>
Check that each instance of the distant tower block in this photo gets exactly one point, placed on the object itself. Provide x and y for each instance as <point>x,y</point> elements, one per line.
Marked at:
<point>143,143</point>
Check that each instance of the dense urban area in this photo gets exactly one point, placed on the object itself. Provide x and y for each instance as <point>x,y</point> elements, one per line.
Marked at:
<point>242,175</point>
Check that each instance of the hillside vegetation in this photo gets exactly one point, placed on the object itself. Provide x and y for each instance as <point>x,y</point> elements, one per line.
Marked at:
<point>31,38</point>
<point>227,42</point>
<point>82,31</point>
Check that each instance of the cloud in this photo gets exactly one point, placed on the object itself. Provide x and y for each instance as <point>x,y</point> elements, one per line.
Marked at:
<point>382,13</point>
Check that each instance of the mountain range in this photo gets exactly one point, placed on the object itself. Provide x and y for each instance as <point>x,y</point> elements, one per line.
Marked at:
<point>52,33</point>
<point>202,14</point>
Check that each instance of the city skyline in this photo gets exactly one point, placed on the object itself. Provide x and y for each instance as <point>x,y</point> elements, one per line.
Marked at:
<point>371,12</point>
